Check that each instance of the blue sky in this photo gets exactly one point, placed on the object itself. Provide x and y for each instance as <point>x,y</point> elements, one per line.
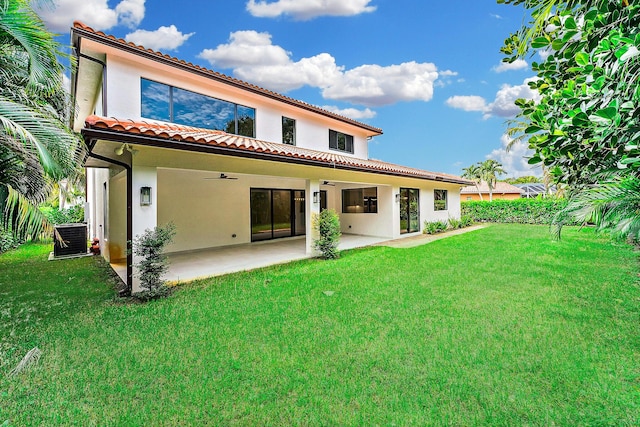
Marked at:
<point>428,73</point>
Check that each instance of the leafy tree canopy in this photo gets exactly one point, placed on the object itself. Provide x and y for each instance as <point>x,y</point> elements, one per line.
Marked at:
<point>588,118</point>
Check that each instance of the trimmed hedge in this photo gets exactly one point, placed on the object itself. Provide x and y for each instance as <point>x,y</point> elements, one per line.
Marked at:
<point>521,211</point>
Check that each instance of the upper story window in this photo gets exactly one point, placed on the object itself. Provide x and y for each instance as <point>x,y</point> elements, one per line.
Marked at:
<point>172,104</point>
<point>439,200</point>
<point>340,141</point>
<point>360,200</point>
<point>288,131</point>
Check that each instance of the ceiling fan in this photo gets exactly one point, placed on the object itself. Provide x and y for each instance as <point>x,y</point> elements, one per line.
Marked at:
<point>222,176</point>
<point>328,183</point>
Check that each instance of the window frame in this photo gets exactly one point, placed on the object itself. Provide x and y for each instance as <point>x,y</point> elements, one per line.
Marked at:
<point>334,137</point>
<point>436,199</point>
<point>293,132</point>
<point>171,113</point>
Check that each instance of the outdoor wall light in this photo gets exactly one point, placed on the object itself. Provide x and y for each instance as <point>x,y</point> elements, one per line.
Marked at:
<point>398,198</point>
<point>145,196</point>
<point>316,196</point>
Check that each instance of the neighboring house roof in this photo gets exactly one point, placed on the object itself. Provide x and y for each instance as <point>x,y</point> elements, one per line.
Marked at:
<point>215,141</point>
<point>533,189</point>
<point>500,188</point>
<point>80,29</point>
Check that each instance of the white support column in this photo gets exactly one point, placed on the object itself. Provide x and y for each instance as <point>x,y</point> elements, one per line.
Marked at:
<point>311,209</point>
<point>144,217</point>
<point>395,220</point>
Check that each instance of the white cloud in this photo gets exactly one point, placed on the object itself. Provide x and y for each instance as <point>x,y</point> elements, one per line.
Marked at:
<point>254,58</point>
<point>304,10</point>
<point>467,103</point>
<point>59,17</point>
<point>496,16</point>
<point>352,113</point>
<point>503,105</point>
<point>514,160</point>
<point>246,48</point>
<point>518,64</point>
<point>377,85</point>
<point>130,12</point>
<point>545,53</point>
<point>164,38</point>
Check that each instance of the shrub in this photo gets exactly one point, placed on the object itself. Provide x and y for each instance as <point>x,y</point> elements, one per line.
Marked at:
<point>74,214</point>
<point>8,240</point>
<point>522,211</point>
<point>466,221</point>
<point>327,223</point>
<point>433,227</point>
<point>454,223</point>
<point>149,246</point>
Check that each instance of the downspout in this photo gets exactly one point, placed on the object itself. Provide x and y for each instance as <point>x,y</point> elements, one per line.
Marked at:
<point>129,283</point>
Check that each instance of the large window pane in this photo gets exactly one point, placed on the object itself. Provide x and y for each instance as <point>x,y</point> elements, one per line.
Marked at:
<point>156,99</point>
<point>193,109</point>
<point>246,121</point>
<point>360,200</point>
<point>172,104</point>
<point>439,200</point>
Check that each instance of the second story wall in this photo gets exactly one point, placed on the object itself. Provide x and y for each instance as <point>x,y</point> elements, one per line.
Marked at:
<point>125,71</point>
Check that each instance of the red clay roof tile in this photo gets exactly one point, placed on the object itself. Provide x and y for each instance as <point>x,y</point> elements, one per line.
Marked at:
<point>183,133</point>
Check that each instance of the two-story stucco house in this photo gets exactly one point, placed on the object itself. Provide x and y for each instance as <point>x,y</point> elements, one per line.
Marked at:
<point>228,162</point>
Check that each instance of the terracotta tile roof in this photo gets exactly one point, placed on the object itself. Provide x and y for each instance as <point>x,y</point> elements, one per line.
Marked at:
<point>86,31</point>
<point>500,188</point>
<point>215,138</point>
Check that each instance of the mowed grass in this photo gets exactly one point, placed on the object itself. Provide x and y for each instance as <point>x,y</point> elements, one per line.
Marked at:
<point>500,326</point>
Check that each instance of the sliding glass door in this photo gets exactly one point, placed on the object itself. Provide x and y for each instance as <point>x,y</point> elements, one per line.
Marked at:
<point>409,210</point>
<point>276,213</point>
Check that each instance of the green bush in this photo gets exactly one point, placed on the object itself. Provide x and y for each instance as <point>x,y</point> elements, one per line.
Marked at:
<point>455,223</point>
<point>8,240</point>
<point>72,215</point>
<point>433,227</point>
<point>327,223</point>
<point>466,221</point>
<point>153,264</point>
<point>521,211</point>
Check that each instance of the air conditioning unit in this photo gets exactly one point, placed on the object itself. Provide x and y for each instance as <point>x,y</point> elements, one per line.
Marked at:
<point>74,238</point>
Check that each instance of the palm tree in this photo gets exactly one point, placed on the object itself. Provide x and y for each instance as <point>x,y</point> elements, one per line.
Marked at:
<point>489,170</point>
<point>37,148</point>
<point>474,173</point>
<point>612,206</point>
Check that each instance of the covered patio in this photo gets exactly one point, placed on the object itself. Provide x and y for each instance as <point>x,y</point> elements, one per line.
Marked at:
<point>191,265</point>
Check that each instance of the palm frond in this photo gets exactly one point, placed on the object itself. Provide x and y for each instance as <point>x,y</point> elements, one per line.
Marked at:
<point>24,217</point>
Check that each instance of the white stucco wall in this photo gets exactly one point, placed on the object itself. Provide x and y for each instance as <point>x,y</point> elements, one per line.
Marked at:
<point>312,130</point>
<point>380,224</point>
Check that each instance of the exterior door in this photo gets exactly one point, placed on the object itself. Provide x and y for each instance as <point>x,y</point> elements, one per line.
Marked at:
<point>409,210</point>
<point>277,213</point>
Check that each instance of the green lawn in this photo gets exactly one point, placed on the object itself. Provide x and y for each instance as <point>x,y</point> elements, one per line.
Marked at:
<point>501,326</point>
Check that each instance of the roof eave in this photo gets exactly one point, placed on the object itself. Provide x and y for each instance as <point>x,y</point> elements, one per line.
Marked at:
<point>92,134</point>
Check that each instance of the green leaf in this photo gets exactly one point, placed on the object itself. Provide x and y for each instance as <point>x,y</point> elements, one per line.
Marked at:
<point>570,23</point>
<point>580,120</point>
<point>608,113</point>
<point>540,42</point>
<point>582,58</point>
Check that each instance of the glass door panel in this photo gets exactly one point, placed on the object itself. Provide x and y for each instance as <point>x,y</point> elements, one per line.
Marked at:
<point>414,210</point>
<point>409,210</point>
<point>299,209</point>
<point>261,224</point>
<point>281,213</point>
